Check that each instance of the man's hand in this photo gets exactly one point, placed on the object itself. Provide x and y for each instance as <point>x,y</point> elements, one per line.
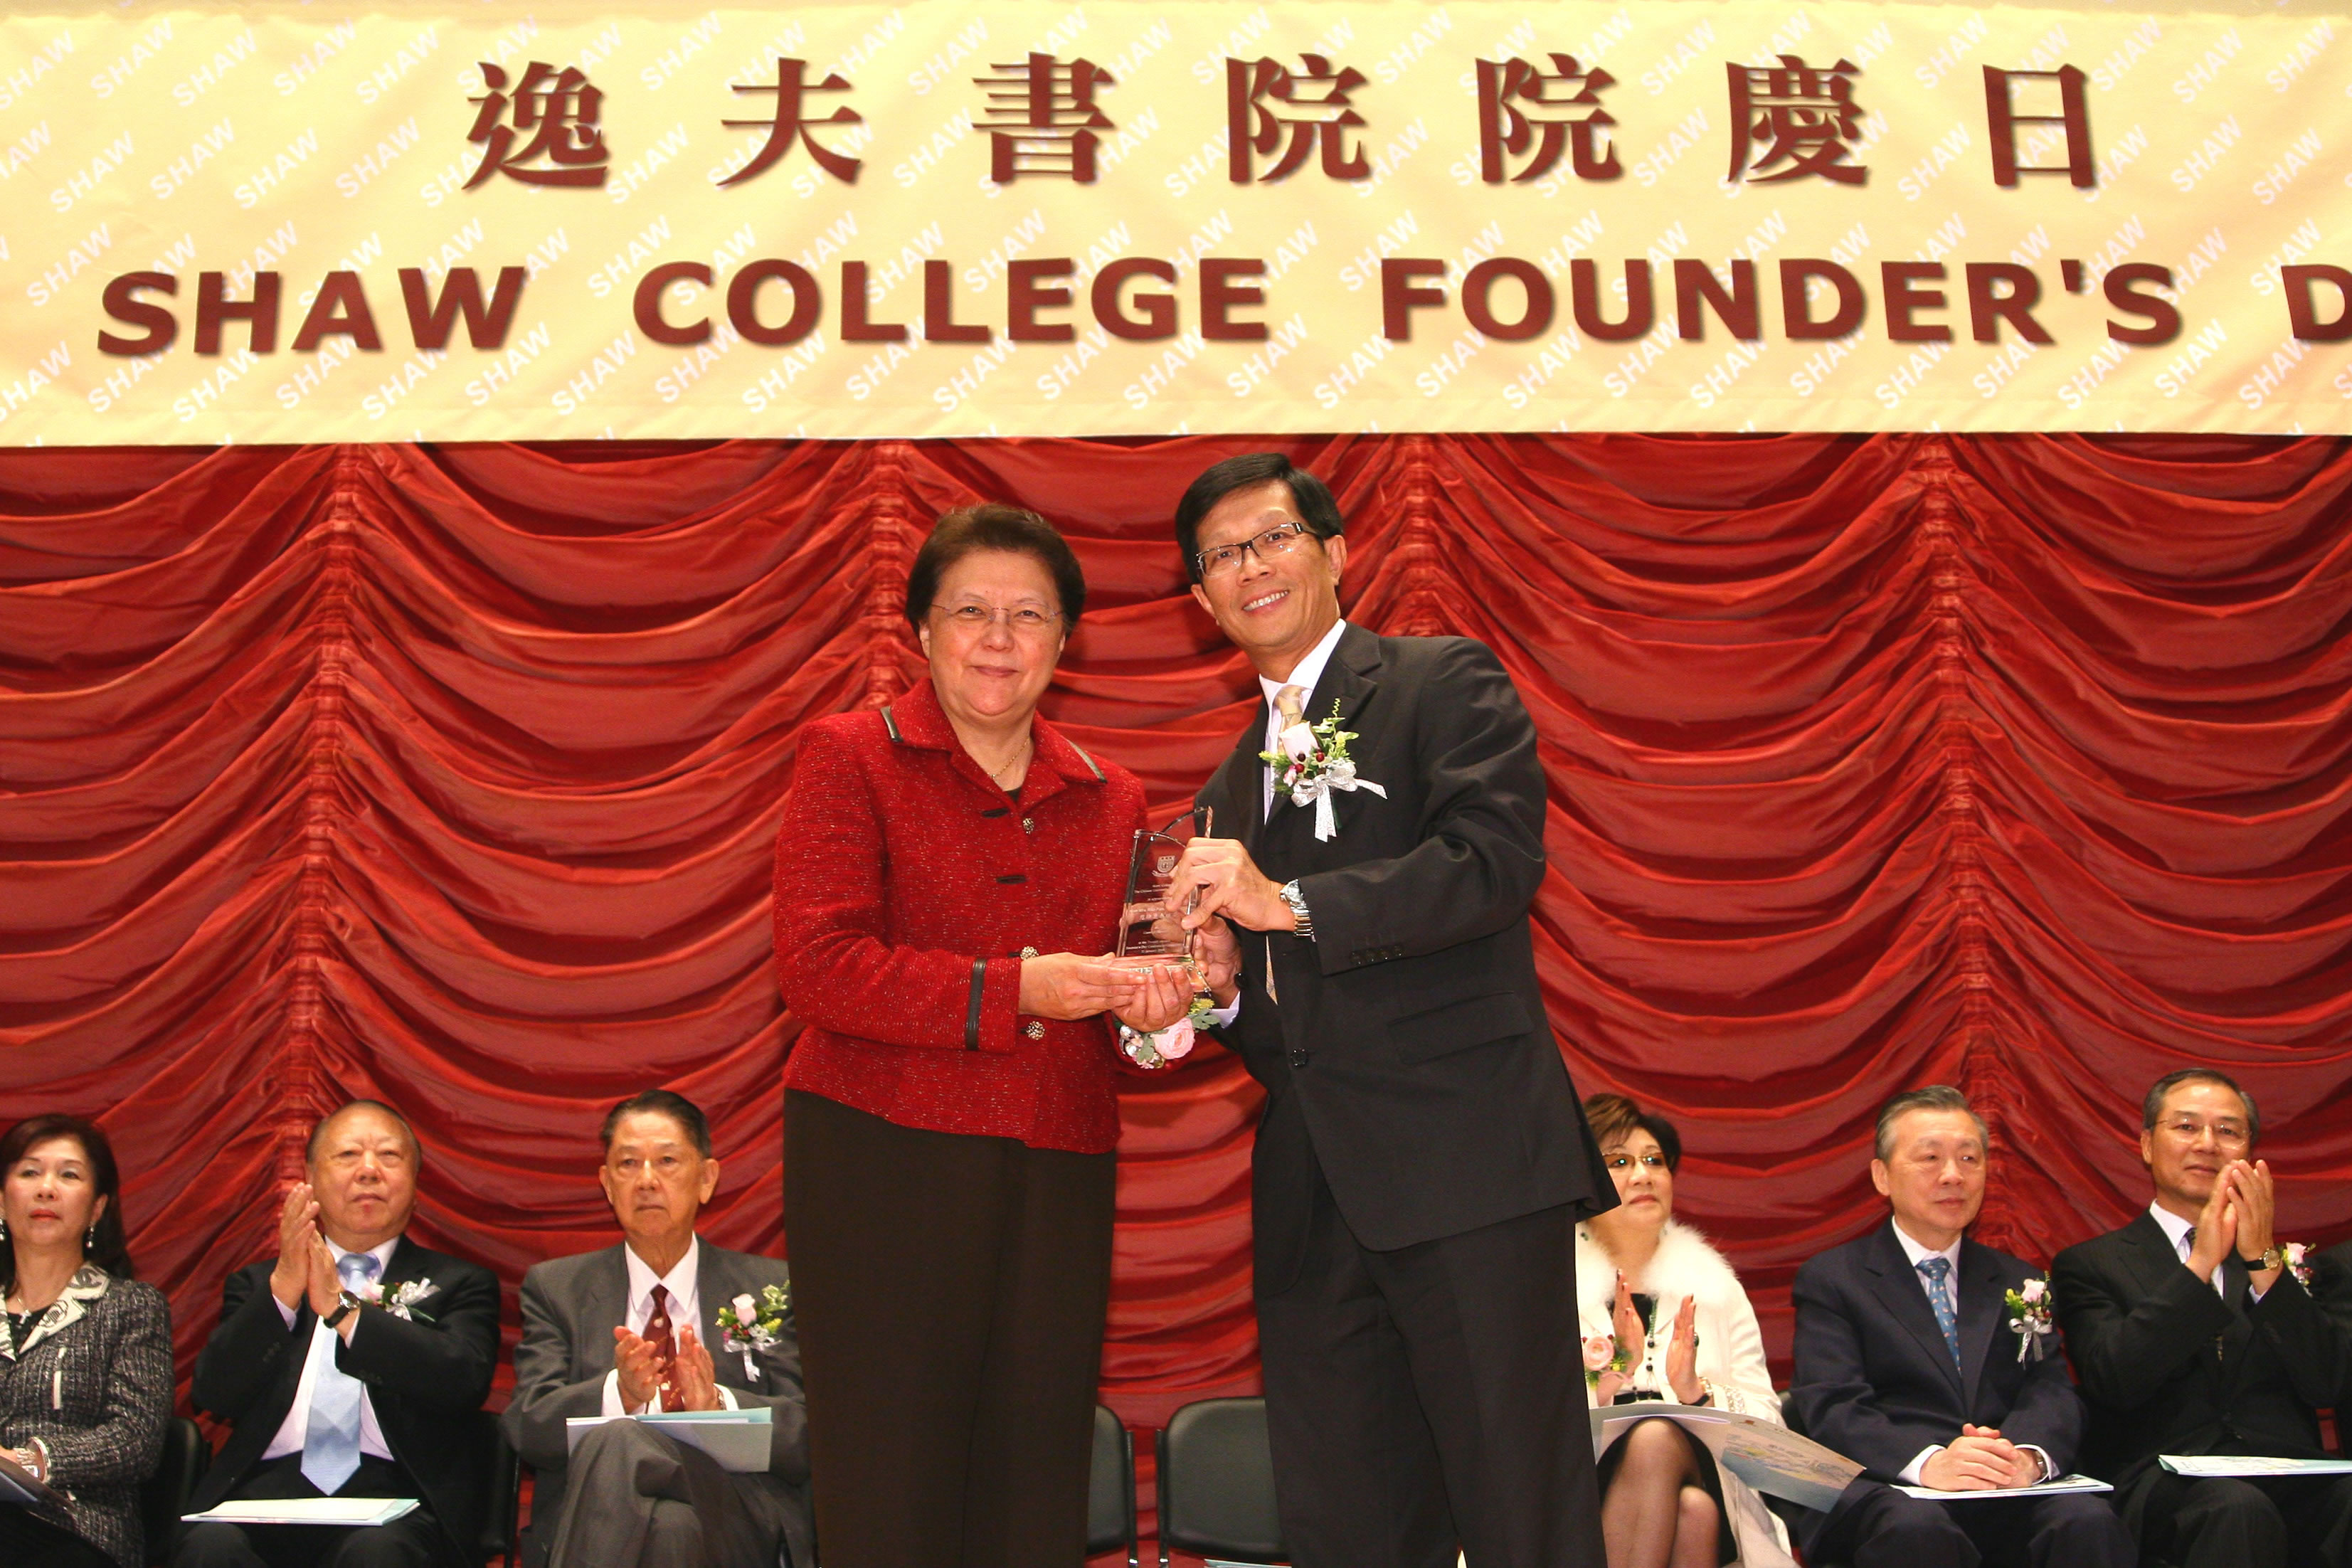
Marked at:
<point>1682,1355</point>
<point>1978,1460</point>
<point>697,1379</point>
<point>639,1369</point>
<point>1231,885</point>
<point>1073,985</point>
<point>2217,1229</point>
<point>297,1230</point>
<point>2257,1205</point>
<point>1219,951</point>
<point>325,1287</point>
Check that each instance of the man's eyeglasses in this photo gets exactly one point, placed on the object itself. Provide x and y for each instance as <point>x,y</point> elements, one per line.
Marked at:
<point>1023,621</point>
<point>2227,1134</point>
<point>1280,540</point>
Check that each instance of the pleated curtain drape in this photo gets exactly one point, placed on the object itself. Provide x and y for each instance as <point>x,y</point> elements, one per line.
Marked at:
<point>450,775</point>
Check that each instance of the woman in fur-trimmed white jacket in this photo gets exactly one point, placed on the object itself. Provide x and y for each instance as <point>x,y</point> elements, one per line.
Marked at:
<point>1664,1315</point>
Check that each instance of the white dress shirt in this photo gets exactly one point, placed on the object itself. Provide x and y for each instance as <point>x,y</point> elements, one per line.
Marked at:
<point>1308,671</point>
<point>1916,1254</point>
<point>324,1341</point>
<point>2178,1231</point>
<point>682,1282</point>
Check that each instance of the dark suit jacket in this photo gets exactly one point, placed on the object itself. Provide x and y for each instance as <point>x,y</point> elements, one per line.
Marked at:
<point>1875,1380</point>
<point>2331,1286</point>
<point>427,1376</point>
<point>570,1307</point>
<point>1409,1056</point>
<point>2142,1330</point>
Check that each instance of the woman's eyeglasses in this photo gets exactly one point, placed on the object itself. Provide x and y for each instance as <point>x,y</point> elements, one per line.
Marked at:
<point>1022,621</point>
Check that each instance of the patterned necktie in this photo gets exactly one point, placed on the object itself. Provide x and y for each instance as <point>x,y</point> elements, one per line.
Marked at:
<point>1938,1271</point>
<point>1287,703</point>
<point>665,1347</point>
<point>331,1443</point>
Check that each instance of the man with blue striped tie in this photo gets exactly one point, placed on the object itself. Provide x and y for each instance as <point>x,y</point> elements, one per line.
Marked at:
<point>1910,1362</point>
<point>352,1365</point>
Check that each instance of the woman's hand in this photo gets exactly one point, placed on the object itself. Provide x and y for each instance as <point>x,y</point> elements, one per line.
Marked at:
<point>1219,949</point>
<point>1682,1355</point>
<point>1068,985</point>
<point>1631,1334</point>
<point>1167,997</point>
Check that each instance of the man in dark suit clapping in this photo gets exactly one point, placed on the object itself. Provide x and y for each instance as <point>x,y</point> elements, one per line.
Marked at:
<point>634,1329</point>
<point>353,1365</point>
<point>2192,1338</point>
<point>1422,1158</point>
<point>1905,1363</point>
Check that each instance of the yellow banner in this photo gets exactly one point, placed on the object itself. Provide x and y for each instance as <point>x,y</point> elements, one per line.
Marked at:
<point>272,223</point>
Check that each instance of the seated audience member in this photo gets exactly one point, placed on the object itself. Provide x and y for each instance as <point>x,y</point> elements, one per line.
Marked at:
<point>351,1364</point>
<point>84,1354</point>
<point>2191,1338</point>
<point>1906,1363</point>
<point>2331,1287</point>
<point>1664,1317</point>
<point>634,1327</point>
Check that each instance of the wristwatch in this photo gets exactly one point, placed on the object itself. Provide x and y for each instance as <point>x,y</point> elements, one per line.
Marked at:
<point>2273,1257</point>
<point>1288,893</point>
<point>349,1305</point>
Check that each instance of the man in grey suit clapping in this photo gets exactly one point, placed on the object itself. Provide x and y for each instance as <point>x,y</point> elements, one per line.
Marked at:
<point>635,1329</point>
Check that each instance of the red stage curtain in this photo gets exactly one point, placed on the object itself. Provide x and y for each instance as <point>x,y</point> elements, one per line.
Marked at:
<point>448,775</point>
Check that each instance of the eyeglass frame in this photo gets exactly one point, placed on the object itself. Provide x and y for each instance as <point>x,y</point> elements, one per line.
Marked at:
<point>1049,618</point>
<point>1250,546</point>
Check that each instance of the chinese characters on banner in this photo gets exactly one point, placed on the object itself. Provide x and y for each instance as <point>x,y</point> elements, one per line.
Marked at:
<point>863,219</point>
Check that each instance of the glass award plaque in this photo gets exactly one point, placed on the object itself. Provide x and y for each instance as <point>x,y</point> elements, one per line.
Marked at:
<point>1150,926</point>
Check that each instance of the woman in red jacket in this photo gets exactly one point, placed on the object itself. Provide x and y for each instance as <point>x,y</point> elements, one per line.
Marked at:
<point>950,870</point>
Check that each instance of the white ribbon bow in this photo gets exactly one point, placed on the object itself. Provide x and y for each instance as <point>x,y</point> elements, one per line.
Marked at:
<point>1317,791</point>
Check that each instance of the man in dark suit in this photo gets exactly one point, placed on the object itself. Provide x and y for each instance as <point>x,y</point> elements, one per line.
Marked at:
<point>634,1329</point>
<point>1906,1363</point>
<point>1421,1159</point>
<point>353,1365</point>
<point>2191,1339</point>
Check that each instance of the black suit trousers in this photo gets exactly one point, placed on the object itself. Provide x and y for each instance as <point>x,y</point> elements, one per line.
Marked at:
<point>2219,1523</point>
<point>411,1541</point>
<point>1430,1399</point>
<point>1876,1526</point>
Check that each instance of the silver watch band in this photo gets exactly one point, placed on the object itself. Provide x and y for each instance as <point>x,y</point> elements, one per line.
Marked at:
<point>1290,895</point>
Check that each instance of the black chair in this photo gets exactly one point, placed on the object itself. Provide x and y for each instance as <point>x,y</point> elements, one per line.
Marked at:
<point>164,1496</point>
<point>501,1523</point>
<point>1216,1483</point>
<point>1111,1487</point>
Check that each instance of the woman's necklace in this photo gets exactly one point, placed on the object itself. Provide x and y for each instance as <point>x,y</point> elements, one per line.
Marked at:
<point>1019,758</point>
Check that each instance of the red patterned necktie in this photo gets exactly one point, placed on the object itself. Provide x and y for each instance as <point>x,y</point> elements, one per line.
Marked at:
<point>665,1346</point>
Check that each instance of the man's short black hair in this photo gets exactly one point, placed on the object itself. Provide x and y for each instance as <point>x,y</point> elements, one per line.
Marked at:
<point>2153,1106</point>
<point>415,1150</point>
<point>665,1102</point>
<point>1309,497</point>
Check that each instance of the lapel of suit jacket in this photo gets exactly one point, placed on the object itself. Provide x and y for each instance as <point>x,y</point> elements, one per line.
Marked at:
<point>1240,780</point>
<point>604,1307</point>
<point>1983,1312</point>
<point>1901,1290</point>
<point>1349,680</point>
<point>2237,1290</point>
<point>2154,1259</point>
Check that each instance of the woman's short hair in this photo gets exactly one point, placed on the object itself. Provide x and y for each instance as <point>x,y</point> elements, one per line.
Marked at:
<point>1614,1119</point>
<point>1310,497</point>
<point>992,525</point>
<point>108,1245</point>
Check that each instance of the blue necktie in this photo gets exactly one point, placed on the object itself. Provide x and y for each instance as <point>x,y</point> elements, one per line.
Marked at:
<point>1936,1270</point>
<point>331,1446</point>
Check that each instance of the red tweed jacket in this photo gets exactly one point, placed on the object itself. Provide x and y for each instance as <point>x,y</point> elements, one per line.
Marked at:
<point>909,887</point>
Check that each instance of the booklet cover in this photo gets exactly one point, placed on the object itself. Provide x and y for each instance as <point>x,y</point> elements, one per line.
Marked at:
<point>1764,1454</point>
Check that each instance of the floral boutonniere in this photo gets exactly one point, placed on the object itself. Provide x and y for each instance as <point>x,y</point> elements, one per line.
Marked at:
<point>2298,1262</point>
<point>2029,1317</point>
<point>746,1325</point>
<point>1311,760</point>
<point>1605,1357</point>
<point>402,1301</point>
